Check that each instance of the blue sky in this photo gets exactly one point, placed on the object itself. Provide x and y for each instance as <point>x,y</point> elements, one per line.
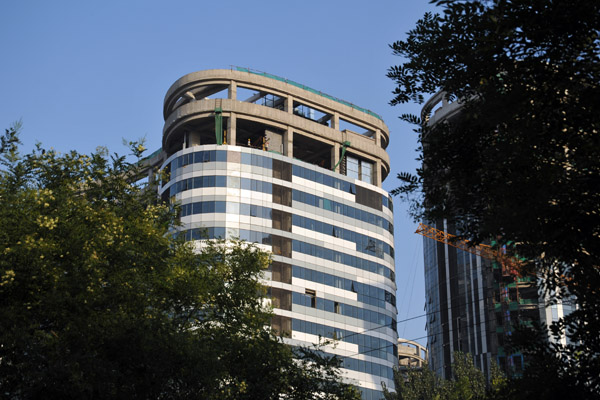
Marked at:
<point>85,74</point>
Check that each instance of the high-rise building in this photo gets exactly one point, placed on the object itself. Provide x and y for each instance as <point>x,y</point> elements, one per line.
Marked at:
<point>411,354</point>
<point>474,303</point>
<point>459,303</point>
<point>254,156</point>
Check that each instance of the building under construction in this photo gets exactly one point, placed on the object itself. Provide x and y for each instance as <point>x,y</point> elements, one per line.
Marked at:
<point>411,355</point>
<point>254,156</point>
<point>475,296</point>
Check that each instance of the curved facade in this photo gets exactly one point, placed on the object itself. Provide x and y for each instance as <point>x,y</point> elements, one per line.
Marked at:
<point>411,354</point>
<point>267,160</point>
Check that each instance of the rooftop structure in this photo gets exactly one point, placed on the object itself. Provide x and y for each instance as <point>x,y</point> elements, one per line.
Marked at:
<point>257,157</point>
<point>411,354</point>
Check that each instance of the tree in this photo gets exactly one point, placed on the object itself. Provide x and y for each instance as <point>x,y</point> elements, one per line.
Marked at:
<point>520,162</point>
<point>417,384</point>
<point>468,383</point>
<point>100,300</point>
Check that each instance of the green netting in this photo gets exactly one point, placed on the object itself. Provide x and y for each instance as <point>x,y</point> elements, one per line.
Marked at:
<point>344,146</point>
<point>153,154</point>
<point>528,301</point>
<point>309,89</point>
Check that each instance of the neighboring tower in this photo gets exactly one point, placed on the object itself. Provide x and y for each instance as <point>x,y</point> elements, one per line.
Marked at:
<point>473,303</point>
<point>261,158</point>
<point>411,355</point>
<point>459,292</point>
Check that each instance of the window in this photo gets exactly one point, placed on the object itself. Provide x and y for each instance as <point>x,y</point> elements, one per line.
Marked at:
<point>282,170</point>
<point>282,195</point>
<point>282,325</point>
<point>371,199</point>
<point>281,220</point>
<point>282,246</point>
<point>352,167</point>
<point>281,272</point>
<point>281,298</point>
<point>311,298</point>
<point>359,169</point>
<point>366,172</point>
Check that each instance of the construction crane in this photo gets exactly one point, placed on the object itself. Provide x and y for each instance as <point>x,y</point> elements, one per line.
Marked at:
<point>510,266</point>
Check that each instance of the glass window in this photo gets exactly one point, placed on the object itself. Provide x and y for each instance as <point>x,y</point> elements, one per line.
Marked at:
<point>318,177</point>
<point>221,156</point>
<point>328,279</point>
<point>366,171</point>
<point>296,170</point>
<point>296,326</point>
<point>311,298</point>
<point>220,181</point>
<point>320,303</point>
<point>245,209</point>
<point>246,184</point>
<point>319,226</point>
<point>219,232</point>
<point>220,206</point>
<point>352,167</point>
<point>246,158</point>
<point>267,162</point>
<point>346,186</point>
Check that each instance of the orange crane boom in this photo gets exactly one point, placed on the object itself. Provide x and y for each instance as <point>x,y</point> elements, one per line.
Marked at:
<point>509,265</point>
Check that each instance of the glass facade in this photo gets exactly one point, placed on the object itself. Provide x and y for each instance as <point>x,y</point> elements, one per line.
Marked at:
<point>265,160</point>
<point>474,305</point>
<point>359,169</point>
<point>459,305</point>
<point>332,244</point>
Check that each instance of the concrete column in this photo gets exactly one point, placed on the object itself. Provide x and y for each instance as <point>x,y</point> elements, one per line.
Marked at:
<point>288,142</point>
<point>193,139</point>
<point>378,137</point>
<point>231,129</point>
<point>232,90</point>
<point>151,175</point>
<point>377,174</point>
<point>335,156</point>
<point>335,121</point>
<point>289,105</point>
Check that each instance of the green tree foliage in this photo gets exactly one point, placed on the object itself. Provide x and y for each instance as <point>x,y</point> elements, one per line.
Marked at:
<point>468,383</point>
<point>520,163</point>
<point>100,301</point>
<point>417,384</point>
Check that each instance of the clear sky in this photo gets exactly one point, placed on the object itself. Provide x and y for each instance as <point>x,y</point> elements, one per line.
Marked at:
<point>85,74</point>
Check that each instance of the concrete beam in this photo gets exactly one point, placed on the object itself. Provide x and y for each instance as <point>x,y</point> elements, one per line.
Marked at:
<point>252,99</point>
